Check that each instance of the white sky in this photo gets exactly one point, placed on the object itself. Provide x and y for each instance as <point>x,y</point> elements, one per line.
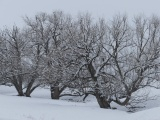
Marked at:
<point>12,11</point>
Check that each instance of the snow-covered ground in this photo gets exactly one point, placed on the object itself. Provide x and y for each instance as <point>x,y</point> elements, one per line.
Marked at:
<point>41,107</point>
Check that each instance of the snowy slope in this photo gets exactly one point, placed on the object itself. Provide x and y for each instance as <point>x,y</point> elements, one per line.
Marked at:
<point>21,108</point>
<point>151,114</point>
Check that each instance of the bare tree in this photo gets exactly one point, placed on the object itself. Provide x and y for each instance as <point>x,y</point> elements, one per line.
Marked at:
<point>135,56</point>
<point>15,57</point>
<point>111,60</point>
<point>3,62</point>
<point>50,35</point>
<point>22,67</point>
<point>117,60</point>
<point>88,48</point>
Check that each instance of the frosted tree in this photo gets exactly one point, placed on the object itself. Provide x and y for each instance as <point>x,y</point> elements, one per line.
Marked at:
<point>110,60</point>
<point>116,59</point>
<point>3,62</point>
<point>50,33</point>
<point>14,55</point>
<point>88,47</point>
<point>135,56</point>
<point>21,61</point>
<point>141,66</point>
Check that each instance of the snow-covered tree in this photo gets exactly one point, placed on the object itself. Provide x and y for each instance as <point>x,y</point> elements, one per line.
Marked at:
<point>14,55</point>
<point>111,60</point>
<point>50,33</point>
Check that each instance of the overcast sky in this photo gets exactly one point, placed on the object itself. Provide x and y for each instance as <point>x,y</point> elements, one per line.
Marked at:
<point>12,11</point>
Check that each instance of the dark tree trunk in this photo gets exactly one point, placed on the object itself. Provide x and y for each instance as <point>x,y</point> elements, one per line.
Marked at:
<point>86,95</point>
<point>31,87</point>
<point>19,90</point>
<point>20,93</point>
<point>17,82</point>
<point>55,92</point>
<point>102,102</point>
<point>28,94</point>
<point>28,90</point>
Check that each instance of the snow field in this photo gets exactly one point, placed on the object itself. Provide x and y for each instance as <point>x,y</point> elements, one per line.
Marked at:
<point>41,107</point>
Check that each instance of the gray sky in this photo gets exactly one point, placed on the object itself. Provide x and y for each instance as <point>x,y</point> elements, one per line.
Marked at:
<point>12,11</point>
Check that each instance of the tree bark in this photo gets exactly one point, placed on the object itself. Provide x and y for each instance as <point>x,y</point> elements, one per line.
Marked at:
<point>55,93</point>
<point>103,103</point>
<point>19,90</point>
<point>30,90</point>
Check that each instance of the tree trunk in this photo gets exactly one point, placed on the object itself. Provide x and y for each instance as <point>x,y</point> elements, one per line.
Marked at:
<point>86,95</point>
<point>20,93</point>
<point>19,90</point>
<point>28,90</point>
<point>102,102</point>
<point>28,94</point>
<point>55,93</point>
<point>30,86</point>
